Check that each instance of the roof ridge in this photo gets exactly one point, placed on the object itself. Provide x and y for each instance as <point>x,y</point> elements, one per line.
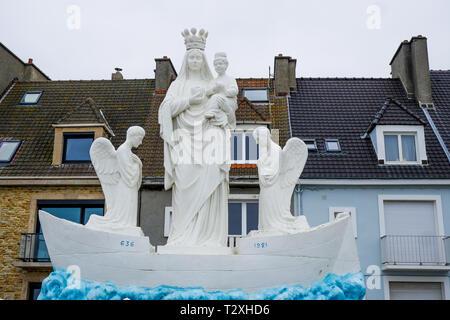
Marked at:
<point>83,80</point>
<point>344,78</point>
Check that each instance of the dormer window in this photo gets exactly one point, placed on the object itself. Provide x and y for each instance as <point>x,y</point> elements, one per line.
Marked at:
<point>399,145</point>
<point>77,146</point>
<point>256,94</point>
<point>31,98</point>
<point>8,149</point>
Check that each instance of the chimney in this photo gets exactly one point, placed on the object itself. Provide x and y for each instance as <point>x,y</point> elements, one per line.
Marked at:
<point>117,75</point>
<point>410,65</point>
<point>30,61</point>
<point>285,79</point>
<point>164,74</point>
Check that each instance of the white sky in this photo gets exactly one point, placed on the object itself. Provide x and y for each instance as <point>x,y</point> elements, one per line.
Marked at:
<point>328,38</point>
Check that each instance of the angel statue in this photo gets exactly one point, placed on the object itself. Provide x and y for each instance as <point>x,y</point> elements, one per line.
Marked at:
<point>278,171</point>
<point>120,174</point>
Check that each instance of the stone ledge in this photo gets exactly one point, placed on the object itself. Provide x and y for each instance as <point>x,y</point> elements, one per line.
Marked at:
<point>34,266</point>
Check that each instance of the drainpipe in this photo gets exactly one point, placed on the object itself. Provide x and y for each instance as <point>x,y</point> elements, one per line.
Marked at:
<point>298,200</point>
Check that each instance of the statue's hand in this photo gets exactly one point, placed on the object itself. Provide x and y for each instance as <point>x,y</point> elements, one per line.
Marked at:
<point>197,96</point>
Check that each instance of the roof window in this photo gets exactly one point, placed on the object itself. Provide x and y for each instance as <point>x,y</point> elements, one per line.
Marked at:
<point>31,97</point>
<point>8,149</point>
<point>256,94</point>
<point>311,144</point>
<point>332,145</point>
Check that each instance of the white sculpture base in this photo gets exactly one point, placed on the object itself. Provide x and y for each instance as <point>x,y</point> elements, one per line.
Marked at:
<point>194,250</point>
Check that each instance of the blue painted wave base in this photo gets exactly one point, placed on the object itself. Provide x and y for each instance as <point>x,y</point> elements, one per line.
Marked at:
<point>60,285</point>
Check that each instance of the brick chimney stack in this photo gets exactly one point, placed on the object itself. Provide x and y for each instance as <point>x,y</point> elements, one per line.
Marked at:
<point>285,77</point>
<point>164,74</point>
<point>410,65</point>
<point>117,75</point>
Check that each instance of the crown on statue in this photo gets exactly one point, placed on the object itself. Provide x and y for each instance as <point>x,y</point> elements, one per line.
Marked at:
<point>192,40</point>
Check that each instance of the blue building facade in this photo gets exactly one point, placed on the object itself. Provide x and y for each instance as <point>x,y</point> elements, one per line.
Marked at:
<point>378,148</point>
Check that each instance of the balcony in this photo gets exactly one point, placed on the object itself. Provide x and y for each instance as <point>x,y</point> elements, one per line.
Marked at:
<point>405,252</point>
<point>33,252</point>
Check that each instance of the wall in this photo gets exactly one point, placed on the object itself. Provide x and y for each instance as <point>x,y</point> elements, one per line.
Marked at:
<point>316,201</point>
<point>18,215</point>
<point>12,67</point>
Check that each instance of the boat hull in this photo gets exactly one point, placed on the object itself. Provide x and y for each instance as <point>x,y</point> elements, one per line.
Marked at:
<point>131,261</point>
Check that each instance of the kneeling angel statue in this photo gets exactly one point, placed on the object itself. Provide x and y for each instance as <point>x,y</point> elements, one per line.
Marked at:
<point>120,175</point>
<point>278,171</point>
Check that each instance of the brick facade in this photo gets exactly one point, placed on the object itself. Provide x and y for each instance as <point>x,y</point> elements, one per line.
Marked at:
<point>18,212</point>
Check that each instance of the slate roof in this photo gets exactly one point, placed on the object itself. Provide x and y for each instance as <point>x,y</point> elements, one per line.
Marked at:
<point>344,108</point>
<point>123,103</point>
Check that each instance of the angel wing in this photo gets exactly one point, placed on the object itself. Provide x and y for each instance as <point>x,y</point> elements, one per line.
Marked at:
<point>292,161</point>
<point>104,158</point>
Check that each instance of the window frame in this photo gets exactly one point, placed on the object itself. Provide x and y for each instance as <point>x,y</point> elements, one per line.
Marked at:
<point>22,101</point>
<point>243,132</point>
<point>380,148</point>
<point>19,143</point>
<point>332,216</point>
<point>333,140</point>
<point>436,199</point>
<point>256,89</point>
<point>77,135</point>
<point>400,147</point>
<point>83,204</point>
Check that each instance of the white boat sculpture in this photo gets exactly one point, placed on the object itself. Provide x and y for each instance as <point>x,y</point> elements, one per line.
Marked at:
<point>256,263</point>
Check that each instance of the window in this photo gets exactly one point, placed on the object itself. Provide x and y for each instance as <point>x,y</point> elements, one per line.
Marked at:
<point>76,147</point>
<point>416,288</point>
<point>31,97</point>
<point>34,288</point>
<point>242,218</point>
<point>311,144</point>
<point>412,232</point>
<point>243,147</point>
<point>8,149</point>
<point>256,94</point>
<point>75,211</point>
<point>332,145</point>
<point>334,211</point>
<point>400,147</point>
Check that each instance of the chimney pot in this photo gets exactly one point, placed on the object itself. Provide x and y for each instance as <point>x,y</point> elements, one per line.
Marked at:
<point>165,57</point>
<point>280,54</point>
<point>30,60</point>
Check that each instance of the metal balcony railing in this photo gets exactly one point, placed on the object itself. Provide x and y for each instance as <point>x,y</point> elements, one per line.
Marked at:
<point>32,248</point>
<point>416,250</point>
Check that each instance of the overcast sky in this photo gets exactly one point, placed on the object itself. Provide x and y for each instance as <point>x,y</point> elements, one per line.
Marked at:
<point>87,39</point>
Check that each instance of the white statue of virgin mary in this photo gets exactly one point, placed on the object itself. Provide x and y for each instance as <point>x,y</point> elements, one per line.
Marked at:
<point>199,188</point>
